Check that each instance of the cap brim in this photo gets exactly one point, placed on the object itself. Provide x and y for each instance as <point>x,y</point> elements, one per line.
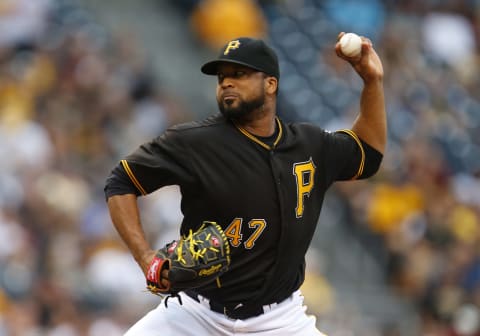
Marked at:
<point>210,68</point>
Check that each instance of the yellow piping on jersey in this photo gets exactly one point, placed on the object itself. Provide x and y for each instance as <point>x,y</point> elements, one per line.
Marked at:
<point>260,142</point>
<point>357,140</point>
<point>132,177</point>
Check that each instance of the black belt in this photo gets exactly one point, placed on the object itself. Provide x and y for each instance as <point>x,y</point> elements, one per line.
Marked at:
<point>239,313</point>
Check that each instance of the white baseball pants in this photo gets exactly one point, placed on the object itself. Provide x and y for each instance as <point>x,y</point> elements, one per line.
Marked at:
<point>196,319</point>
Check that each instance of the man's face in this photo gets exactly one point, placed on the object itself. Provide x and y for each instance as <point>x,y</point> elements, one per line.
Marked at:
<point>240,91</point>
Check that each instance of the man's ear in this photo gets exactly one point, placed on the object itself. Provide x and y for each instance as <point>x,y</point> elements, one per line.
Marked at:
<point>271,85</point>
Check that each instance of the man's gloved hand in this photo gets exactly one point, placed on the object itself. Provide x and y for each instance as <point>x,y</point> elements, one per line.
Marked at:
<point>191,262</point>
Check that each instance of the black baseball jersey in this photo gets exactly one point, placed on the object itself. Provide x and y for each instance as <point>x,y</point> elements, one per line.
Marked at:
<point>267,198</point>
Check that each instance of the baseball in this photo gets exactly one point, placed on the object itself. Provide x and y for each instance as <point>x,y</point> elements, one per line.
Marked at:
<point>351,44</point>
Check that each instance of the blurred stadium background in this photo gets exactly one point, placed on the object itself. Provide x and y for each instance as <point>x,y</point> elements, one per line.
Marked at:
<point>82,83</point>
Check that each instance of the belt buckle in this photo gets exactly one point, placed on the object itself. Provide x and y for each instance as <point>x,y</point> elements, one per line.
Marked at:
<point>225,312</point>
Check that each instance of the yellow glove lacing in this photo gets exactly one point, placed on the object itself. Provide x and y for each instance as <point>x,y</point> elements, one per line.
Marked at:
<point>192,243</point>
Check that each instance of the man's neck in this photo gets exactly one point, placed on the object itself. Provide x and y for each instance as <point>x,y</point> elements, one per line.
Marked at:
<point>261,127</point>
<point>263,124</point>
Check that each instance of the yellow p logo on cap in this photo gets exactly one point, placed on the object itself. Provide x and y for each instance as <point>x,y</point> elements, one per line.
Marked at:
<point>231,45</point>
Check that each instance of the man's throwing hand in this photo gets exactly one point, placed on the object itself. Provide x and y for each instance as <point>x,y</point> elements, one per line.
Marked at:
<point>367,63</point>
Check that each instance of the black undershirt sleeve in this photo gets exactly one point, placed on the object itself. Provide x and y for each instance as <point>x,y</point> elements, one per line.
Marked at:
<point>373,159</point>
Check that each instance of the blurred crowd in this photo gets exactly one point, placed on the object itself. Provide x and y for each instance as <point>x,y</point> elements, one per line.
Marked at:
<point>75,97</point>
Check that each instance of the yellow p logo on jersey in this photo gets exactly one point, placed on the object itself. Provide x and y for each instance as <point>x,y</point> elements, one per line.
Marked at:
<point>305,176</point>
<point>231,45</point>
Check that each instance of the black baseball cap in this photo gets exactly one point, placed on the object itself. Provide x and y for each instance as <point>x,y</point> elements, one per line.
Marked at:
<point>250,52</point>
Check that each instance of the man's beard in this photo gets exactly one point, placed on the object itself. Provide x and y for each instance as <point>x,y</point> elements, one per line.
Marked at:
<point>242,112</point>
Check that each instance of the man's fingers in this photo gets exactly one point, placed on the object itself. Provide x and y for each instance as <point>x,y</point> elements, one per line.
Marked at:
<point>340,54</point>
<point>164,279</point>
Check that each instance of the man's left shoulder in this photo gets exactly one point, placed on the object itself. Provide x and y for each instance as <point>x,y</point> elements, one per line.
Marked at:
<point>211,121</point>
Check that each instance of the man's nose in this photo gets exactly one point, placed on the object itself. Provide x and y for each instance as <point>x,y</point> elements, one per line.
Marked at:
<point>227,82</point>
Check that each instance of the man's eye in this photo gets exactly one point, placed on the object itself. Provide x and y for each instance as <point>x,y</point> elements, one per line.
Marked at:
<point>239,73</point>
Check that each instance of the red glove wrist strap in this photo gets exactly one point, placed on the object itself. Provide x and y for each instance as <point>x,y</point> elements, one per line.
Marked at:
<point>154,273</point>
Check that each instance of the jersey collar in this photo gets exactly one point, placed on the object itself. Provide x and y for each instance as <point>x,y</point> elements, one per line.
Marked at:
<point>260,142</point>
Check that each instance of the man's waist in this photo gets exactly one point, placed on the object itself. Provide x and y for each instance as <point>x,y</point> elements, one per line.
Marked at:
<point>239,311</point>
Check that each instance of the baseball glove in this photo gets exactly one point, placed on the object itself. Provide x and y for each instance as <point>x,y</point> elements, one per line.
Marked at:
<point>193,261</point>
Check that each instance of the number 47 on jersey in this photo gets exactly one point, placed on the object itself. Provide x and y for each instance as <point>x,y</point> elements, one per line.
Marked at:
<point>304,173</point>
